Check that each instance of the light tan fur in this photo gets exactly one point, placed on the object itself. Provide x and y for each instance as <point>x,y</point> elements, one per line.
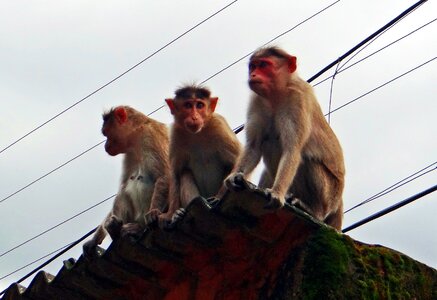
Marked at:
<point>143,192</point>
<point>286,128</point>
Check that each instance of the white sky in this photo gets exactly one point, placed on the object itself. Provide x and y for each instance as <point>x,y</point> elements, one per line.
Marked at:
<point>54,53</point>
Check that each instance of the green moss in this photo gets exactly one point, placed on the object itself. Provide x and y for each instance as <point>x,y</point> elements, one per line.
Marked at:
<point>333,266</point>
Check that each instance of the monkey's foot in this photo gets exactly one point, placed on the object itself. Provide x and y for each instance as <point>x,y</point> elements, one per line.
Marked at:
<point>152,216</point>
<point>113,227</point>
<point>235,182</point>
<point>276,201</point>
<point>299,204</point>
<point>131,229</point>
<point>89,250</point>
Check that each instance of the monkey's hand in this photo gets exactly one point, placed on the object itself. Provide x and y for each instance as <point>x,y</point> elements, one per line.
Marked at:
<point>113,227</point>
<point>90,249</point>
<point>235,181</point>
<point>152,216</point>
<point>276,200</point>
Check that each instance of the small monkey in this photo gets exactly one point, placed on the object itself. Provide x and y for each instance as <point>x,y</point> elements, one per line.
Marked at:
<point>143,192</point>
<point>286,127</point>
<point>203,149</point>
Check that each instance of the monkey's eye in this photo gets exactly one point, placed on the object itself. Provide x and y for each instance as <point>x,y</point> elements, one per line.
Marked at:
<point>200,105</point>
<point>188,105</point>
<point>252,66</point>
<point>262,64</point>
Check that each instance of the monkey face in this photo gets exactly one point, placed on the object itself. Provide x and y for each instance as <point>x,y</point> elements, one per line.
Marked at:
<point>268,75</point>
<point>117,134</point>
<point>195,112</point>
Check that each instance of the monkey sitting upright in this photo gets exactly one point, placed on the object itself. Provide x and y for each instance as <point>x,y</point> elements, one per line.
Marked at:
<point>143,192</point>
<point>286,127</point>
<point>203,149</point>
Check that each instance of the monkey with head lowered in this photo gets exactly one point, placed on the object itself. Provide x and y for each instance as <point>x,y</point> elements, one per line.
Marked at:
<point>143,192</point>
<point>286,127</point>
<point>203,149</point>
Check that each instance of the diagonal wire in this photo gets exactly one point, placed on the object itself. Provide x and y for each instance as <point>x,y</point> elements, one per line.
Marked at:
<point>382,85</point>
<point>373,53</point>
<point>50,172</point>
<point>273,39</point>
<point>116,78</point>
<point>55,226</point>
<point>396,185</point>
<point>61,166</point>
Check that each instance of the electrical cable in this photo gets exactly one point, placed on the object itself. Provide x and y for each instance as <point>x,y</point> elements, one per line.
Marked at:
<point>155,110</point>
<point>50,172</point>
<point>68,247</point>
<point>396,185</point>
<point>359,45</point>
<point>382,85</point>
<point>117,77</point>
<point>390,209</point>
<point>237,129</point>
<point>55,226</point>
<point>373,53</point>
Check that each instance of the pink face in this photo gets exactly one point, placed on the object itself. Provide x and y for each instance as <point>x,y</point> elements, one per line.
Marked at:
<point>268,75</point>
<point>194,112</point>
<point>116,137</point>
<point>262,72</point>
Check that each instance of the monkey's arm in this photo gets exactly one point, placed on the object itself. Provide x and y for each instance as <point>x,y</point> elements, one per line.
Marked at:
<point>159,201</point>
<point>296,126</point>
<point>89,247</point>
<point>174,201</point>
<point>249,158</point>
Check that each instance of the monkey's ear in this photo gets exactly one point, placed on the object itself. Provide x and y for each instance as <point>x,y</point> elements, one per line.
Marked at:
<point>213,103</point>
<point>120,114</point>
<point>292,63</point>
<point>170,103</point>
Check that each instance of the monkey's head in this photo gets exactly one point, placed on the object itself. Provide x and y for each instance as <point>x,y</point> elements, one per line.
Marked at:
<point>119,126</point>
<point>270,69</point>
<point>192,107</point>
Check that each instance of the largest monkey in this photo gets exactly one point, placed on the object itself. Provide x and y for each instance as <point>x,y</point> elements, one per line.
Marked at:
<point>286,127</point>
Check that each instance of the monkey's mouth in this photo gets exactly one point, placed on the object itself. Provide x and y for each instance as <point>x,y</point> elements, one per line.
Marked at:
<point>255,82</point>
<point>194,128</point>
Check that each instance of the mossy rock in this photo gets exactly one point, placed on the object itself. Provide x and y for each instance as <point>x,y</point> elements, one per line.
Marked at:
<point>333,266</point>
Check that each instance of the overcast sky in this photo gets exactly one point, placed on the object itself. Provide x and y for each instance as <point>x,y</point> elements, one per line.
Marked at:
<point>55,53</point>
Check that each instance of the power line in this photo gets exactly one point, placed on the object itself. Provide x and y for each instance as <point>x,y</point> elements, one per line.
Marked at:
<point>373,53</point>
<point>155,110</point>
<point>117,77</point>
<point>273,39</point>
<point>50,172</point>
<point>396,185</point>
<point>353,49</point>
<point>359,45</point>
<point>236,130</point>
<point>57,225</point>
<point>390,209</point>
<point>33,262</point>
<point>382,85</point>
<point>66,248</point>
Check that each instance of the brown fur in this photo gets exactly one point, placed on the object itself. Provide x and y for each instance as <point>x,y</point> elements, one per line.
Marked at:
<point>143,192</point>
<point>286,127</point>
<point>201,156</point>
